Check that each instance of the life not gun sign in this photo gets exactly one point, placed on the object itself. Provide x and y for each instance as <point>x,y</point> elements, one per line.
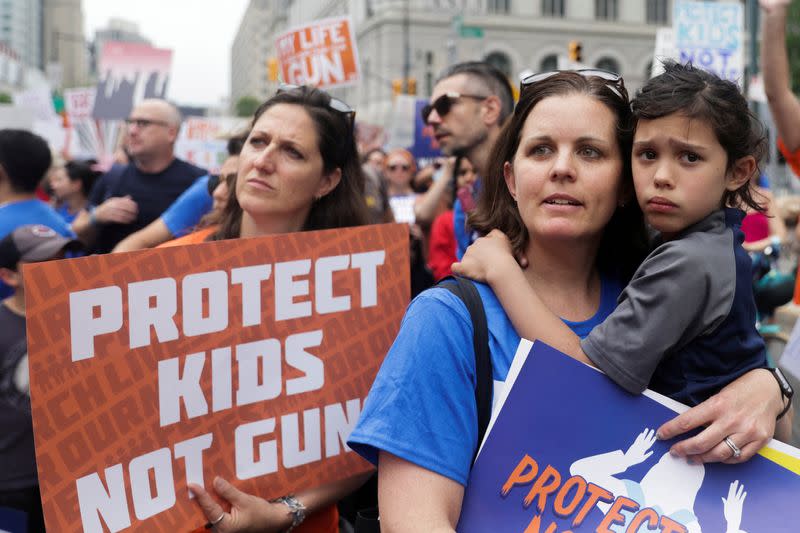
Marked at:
<point>322,53</point>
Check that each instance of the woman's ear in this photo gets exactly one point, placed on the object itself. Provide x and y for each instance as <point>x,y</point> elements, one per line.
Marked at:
<point>511,181</point>
<point>741,172</point>
<point>328,182</point>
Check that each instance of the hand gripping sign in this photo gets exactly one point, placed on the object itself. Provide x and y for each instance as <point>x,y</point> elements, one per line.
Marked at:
<point>249,359</point>
<point>322,53</point>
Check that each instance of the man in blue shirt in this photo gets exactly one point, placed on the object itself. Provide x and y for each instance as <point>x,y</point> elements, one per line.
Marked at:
<point>24,160</point>
<point>468,107</point>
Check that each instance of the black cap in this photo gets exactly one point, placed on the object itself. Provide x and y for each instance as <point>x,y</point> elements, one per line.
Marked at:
<point>31,244</point>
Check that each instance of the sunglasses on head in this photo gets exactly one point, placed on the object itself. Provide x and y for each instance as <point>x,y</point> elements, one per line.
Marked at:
<point>445,102</point>
<point>337,105</point>
<point>614,80</point>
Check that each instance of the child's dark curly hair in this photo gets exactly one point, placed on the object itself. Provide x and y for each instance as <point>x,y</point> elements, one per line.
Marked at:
<point>696,93</point>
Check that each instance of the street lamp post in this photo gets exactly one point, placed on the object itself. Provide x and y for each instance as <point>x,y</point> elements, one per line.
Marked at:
<point>406,44</point>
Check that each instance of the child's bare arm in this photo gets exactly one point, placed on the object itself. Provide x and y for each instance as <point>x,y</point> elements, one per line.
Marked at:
<point>490,260</point>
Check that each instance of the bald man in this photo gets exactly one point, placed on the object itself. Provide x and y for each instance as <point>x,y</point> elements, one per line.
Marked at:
<point>129,197</point>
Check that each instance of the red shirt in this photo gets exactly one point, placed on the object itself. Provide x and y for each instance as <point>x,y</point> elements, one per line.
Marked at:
<point>442,246</point>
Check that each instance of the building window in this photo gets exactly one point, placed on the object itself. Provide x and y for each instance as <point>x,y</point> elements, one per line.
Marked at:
<point>605,9</point>
<point>609,64</point>
<point>500,61</point>
<point>498,6</point>
<point>657,11</point>
<point>549,63</point>
<point>553,8</point>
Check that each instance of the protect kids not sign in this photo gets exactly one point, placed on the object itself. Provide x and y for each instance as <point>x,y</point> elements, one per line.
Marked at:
<point>711,36</point>
<point>248,359</point>
<point>322,53</point>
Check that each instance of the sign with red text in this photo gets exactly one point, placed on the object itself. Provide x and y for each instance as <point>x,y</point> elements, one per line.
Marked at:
<point>322,53</point>
<point>249,359</point>
<point>84,138</point>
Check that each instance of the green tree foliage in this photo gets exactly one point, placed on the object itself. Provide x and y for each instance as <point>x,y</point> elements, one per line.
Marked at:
<point>5,98</point>
<point>246,106</point>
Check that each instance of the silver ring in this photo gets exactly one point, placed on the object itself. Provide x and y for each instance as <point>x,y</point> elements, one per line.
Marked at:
<point>735,449</point>
<point>218,520</point>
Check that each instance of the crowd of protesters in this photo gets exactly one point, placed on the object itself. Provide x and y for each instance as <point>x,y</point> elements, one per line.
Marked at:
<point>297,168</point>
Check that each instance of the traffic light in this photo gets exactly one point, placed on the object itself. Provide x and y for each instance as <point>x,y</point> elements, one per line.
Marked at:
<point>575,51</point>
<point>397,87</point>
<point>272,69</point>
<point>411,86</point>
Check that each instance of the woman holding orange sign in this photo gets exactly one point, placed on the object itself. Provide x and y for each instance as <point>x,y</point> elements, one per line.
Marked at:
<point>298,171</point>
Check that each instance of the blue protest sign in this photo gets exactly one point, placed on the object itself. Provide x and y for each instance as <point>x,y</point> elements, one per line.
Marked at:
<point>571,451</point>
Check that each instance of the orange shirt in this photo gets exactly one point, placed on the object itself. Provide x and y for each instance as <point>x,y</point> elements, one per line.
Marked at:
<point>323,521</point>
<point>196,237</point>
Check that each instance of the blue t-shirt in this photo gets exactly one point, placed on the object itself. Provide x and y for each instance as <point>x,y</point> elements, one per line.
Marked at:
<point>421,407</point>
<point>26,212</point>
<point>63,212</point>
<point>189,208</point>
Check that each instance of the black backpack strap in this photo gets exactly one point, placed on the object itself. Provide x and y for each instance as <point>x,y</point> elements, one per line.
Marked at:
<point>466,291</point>
<point>367,520</point>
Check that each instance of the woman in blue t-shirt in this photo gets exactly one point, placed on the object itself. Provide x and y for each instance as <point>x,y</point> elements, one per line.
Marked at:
<point>560,186</point>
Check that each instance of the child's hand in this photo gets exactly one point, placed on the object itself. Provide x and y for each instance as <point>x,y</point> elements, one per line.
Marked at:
<point>486,258</point>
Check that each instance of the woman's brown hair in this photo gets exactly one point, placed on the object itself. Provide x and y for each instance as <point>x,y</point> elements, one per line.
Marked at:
<point>624,241</point>
<point>345,205</point>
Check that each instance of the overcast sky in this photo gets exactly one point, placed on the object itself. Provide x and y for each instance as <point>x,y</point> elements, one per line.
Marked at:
<point>199,33</point>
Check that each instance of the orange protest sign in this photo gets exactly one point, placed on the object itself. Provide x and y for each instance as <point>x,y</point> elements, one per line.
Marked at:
<point>249,359</point>
<point>322,53</point>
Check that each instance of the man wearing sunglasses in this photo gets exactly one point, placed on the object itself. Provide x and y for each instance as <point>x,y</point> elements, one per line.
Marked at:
<point>129,197</point>
<point>468,107</point>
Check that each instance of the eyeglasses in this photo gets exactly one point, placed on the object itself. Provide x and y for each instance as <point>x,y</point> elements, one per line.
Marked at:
<point>144,122</point>
<point>445,102</point>
<point>614,79</point>
<point>337,105</point>
<point>397,167</point>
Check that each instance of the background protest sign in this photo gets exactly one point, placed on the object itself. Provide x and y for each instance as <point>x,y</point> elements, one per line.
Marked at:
<point>83,134</point>
<point>247,358</point>
<point>572,451</point>
<point>322,53</point>
<point>664,49</point>
<point>203,141</point>
<point>129,73</point>
<point>711,36</point>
